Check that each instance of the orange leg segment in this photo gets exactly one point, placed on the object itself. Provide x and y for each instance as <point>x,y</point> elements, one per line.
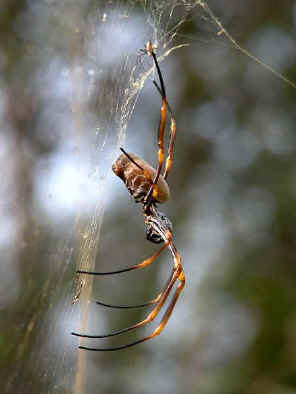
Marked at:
<point>161,128</point>
<point>133,267</point>
<point>148,303</point>
<point>178,274</point>
<point>169,159</point>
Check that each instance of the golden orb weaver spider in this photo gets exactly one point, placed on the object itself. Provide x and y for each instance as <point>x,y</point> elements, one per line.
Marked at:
<point>149,187</point>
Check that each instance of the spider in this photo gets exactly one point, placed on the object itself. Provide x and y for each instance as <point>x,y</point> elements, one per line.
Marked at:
<point>148,187</point>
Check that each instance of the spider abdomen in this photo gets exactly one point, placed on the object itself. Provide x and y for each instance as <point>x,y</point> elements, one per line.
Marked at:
<point>138,179</point>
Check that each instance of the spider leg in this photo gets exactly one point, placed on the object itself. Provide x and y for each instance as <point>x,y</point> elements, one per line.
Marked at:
<point>152,302</point>
<point>148,303</point>
<point>169,159</point>
<point>153,189</point>
<point>151,316</point>
<point>180,275</point>
<point>171,306</point>
<point>131,159</point>
<point>132,268</point>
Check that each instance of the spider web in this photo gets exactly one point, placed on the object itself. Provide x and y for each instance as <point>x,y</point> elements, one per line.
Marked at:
<point>102,82</point>
<point>90,96</point>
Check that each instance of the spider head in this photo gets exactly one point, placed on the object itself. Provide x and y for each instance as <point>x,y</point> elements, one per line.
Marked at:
<point>156,225</point>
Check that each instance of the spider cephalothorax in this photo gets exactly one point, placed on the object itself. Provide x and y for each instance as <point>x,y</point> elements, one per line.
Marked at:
<point>156,223</point>
<point>149,187</point>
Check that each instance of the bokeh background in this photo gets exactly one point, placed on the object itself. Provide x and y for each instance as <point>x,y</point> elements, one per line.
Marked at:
<point>73,88</point>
